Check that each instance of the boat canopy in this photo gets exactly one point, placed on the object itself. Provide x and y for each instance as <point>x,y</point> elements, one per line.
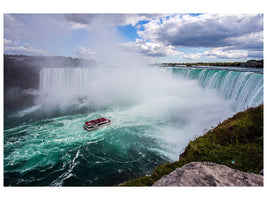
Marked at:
<point>96,121</point>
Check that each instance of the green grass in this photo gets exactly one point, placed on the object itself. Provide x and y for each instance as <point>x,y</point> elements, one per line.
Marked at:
<point>238,139</point>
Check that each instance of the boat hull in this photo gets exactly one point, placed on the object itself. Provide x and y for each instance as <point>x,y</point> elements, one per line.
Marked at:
<point>96,127</point>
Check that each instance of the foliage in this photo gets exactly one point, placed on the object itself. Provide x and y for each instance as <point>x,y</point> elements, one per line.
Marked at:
<point>236,143</point>
<point>257,64</point>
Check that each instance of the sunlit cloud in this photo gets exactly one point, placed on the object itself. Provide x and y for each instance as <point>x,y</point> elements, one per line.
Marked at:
<point>153,49</point>
<point>207,30</point>
<point>191,56</point>
<point>230,54</point>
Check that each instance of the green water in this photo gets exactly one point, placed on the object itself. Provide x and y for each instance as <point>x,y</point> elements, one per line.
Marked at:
<point>57,151</point>
<point>49,147</point>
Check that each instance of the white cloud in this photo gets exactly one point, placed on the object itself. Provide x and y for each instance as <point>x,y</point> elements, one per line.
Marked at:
<point>7,42</point>
<point>154,49</point>
<point>223,53</point>
<point>133,19</point>
<point>11,42</point>
<point>226,54</point>
<point>191,56</point>
<point>74,25</point>
<point>227,36</point>
<point>14,47</point>
<point>206,30</point>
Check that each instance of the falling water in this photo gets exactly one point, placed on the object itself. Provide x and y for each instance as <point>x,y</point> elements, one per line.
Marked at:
<point>244,88</point>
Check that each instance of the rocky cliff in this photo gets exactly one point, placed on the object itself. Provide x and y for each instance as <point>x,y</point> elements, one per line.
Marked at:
<point>209,174</point>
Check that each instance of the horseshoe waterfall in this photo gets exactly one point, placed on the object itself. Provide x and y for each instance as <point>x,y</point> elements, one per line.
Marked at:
<point>154,111</point>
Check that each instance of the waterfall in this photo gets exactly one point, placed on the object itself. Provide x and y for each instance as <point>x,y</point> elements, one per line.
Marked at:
<point>58,79</point>
<point>244,88</point>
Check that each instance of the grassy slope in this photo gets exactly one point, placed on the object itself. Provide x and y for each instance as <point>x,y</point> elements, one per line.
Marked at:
<point>238,139</point>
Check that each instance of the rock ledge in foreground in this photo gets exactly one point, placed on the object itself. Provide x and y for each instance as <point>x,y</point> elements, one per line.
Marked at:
<point>209,174</point>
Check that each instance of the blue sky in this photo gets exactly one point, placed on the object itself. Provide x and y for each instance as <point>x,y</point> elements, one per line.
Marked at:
<point>129,32</point>
<point>192,37</point>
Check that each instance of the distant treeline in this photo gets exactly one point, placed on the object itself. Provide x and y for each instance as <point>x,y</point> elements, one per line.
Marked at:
<point>250,63</point>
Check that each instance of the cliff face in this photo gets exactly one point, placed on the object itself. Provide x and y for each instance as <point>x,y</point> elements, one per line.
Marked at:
<point>209,174</point>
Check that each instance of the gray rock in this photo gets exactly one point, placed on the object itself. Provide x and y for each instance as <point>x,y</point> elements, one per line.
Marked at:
<point>261,172</point>
<point>209,174</point>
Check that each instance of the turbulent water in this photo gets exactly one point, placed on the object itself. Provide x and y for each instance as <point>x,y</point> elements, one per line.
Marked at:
<point>155,112</point>
<point>246,88</point>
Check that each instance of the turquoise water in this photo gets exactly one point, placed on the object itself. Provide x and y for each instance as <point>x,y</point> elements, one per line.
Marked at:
<point>244,88</point>
<point>154,115</point>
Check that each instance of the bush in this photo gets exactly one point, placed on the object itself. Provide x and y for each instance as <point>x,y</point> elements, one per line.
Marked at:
<point>237,143</point>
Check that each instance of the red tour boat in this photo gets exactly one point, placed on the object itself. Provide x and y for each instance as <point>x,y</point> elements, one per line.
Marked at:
<point>96,123</point>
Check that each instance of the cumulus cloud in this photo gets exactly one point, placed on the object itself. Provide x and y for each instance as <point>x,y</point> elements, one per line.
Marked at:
<point>252,41</point>
<point>14,32</point>
<point>8,42</point>
<point>226,54</point>
<point>15,47</point>
<point>206,30</point>
<point>154,49</point>
<point>85,20</point>
<point>226,36</point>
<point>191,56</point>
